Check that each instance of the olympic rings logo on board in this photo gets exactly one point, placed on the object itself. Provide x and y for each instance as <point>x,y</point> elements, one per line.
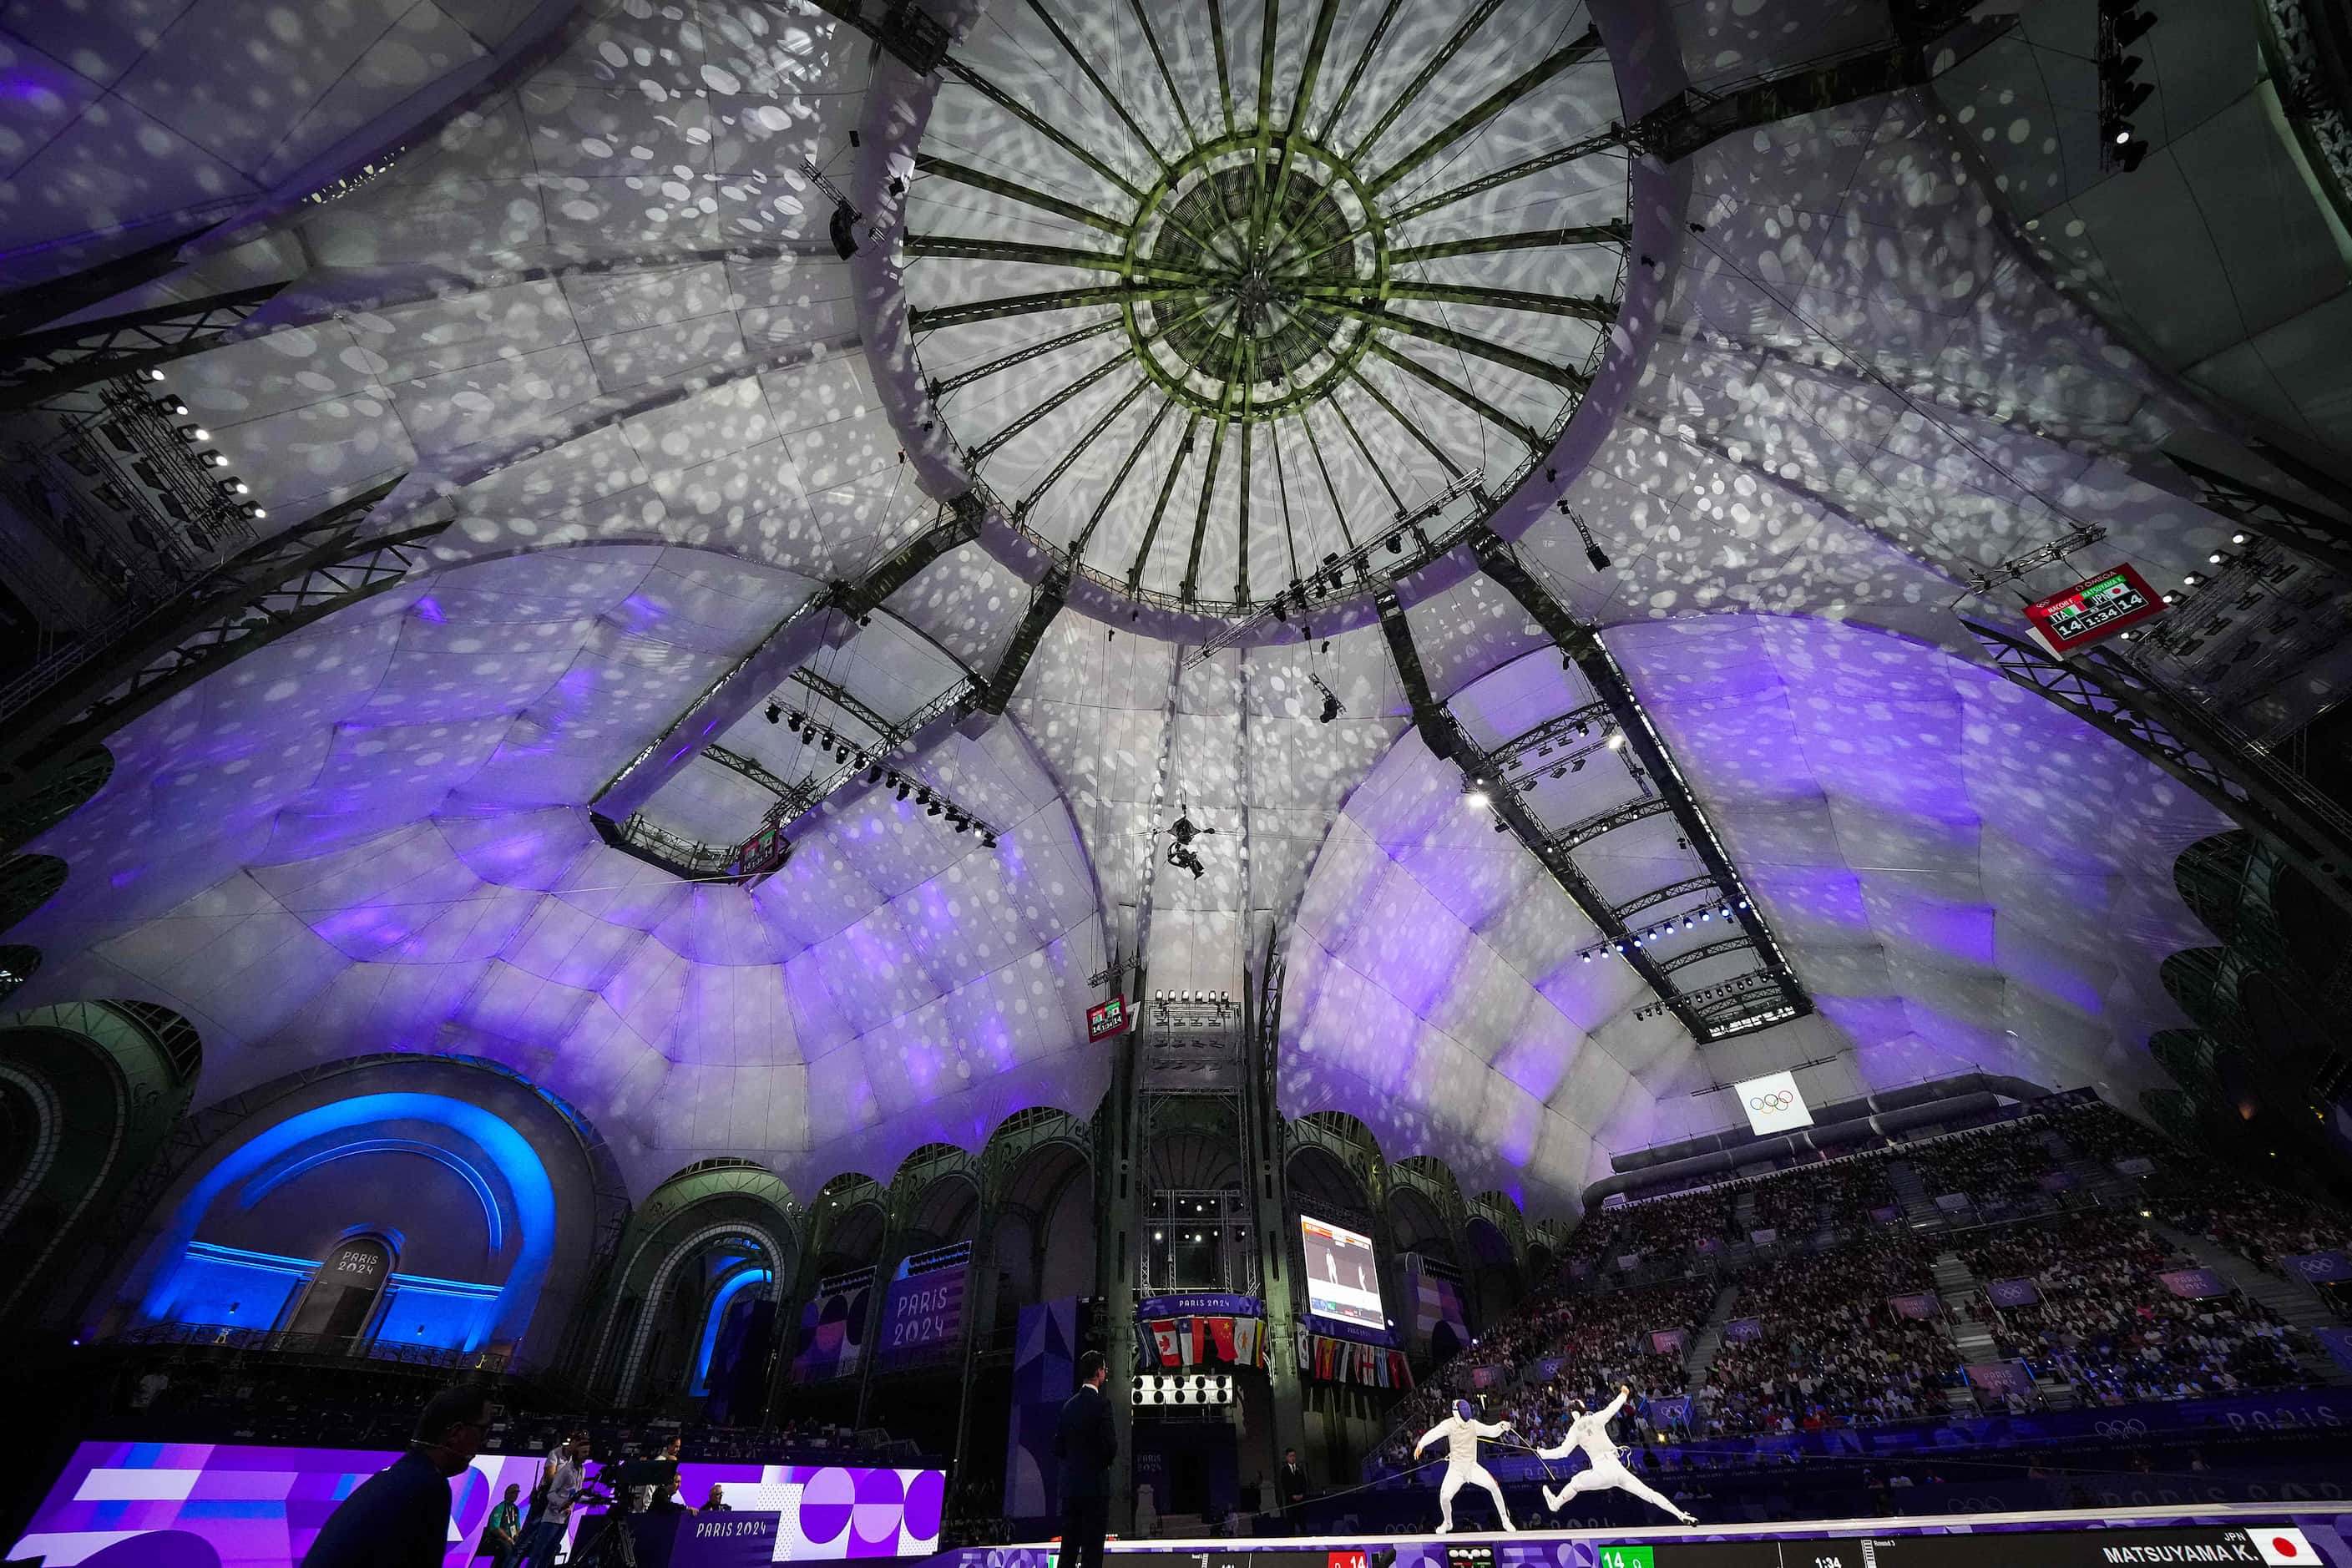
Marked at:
<point>1778,1099</point>
<point>2131,1427</point>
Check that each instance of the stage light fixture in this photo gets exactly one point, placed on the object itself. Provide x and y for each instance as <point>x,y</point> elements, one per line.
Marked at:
<point>1617,742</point>
<point>154,375</point>
<point>776,713</point>
<point>170,405</point>
<point>2238,537</point>
<point>841,228</point>
<point>252,513</point>
<point>192,433</point>
<point>902,789</point>
<point>211,459</point>
<point>932,809</point>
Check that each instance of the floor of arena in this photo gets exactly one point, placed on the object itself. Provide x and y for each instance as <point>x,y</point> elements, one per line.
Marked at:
<point>2305,1532</point>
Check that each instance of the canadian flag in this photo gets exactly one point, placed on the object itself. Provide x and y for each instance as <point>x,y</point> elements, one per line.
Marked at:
<point>2281,1544</point>
<point>1164,1339</point>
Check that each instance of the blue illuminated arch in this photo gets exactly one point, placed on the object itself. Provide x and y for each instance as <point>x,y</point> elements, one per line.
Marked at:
<point>263,1185</point>
<point>729,1286</point>
<point>274,1155</point>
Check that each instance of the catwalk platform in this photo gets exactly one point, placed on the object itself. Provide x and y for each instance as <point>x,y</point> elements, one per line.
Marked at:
<point>2301,1533</point>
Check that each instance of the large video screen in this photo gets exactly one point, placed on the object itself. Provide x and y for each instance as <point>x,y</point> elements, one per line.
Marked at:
<point>1342,1280</point>
<point>205,1505</point>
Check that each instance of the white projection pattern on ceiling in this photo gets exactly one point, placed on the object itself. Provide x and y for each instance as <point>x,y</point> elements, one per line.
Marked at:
<point>580,300</point>
<point>1962,876</point>
<point>368,836</point>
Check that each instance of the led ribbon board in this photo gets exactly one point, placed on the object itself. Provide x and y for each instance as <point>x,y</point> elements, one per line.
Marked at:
<point>1773,1103</point>
<point>2094,609</point>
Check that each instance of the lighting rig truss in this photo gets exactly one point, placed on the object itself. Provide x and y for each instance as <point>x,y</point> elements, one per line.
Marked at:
<point>2021,566</point>
<point>850,756</point>
<point>42,365</point>
<point>279,586</point>
<point>1362,564</point>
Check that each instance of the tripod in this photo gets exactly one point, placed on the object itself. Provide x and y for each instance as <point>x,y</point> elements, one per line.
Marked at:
<point>612,1544</point>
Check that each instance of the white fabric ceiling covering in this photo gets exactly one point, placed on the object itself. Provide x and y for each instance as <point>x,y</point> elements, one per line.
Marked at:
<point>1962,876</point>
<point>597,322</point>
<point>369,836</point>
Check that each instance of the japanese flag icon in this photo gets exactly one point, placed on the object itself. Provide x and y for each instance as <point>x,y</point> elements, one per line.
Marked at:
<point>2281,1543</point>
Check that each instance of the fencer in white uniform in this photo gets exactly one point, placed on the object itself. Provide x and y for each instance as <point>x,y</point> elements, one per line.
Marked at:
<point>1462,1431</point>
<point>1590,1432</point>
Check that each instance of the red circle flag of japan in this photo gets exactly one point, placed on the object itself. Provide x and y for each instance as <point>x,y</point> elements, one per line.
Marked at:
<point>2281,1543</point>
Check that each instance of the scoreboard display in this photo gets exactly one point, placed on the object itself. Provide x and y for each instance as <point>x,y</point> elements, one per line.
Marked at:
<point>1104,1019</point>
<point>2092,610</point>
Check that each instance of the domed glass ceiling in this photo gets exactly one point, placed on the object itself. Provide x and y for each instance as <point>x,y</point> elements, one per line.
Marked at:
<point>1208,295</point>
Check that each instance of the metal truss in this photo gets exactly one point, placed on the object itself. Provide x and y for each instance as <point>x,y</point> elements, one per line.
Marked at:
<point>2237,778</point>
<point>1665,895</point>
<point>41,365</point>
<point>1044,606</point>
<point>1701,954</point>
<point>279,586</point>
<point>1552,734</point>
<point>1582,833</point>
<point>1442,735</point>
<point>1579,644</point>
<point>2295,527</point>
<point>1699,118</point>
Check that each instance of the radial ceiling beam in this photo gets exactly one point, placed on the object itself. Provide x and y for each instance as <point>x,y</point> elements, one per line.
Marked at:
<point>1584,48</point>
<point>1525,239</point>
<point>1583,648</point>
<point>1159,507</point>
<point>1461,34</point>
<point>1079,58</point>
<point>1464,396</point>
<point>1037,304</point>
<point>1443,736</point>
<point>1568,153</point>
<point>2251,788</point>
<point>1022,355</point>
<point>1077,448</point>
<point>1046,404</point>
<point>1363,63</point>
<point>42,365</point>
<point>1581,308</point>
<point>1013,190</point>
<point>279,586</point>
<point>787,645</point>
<point>1012,104</point>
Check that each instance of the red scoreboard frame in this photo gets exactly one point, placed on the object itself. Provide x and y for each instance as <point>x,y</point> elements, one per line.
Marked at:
<point>2093,609</point>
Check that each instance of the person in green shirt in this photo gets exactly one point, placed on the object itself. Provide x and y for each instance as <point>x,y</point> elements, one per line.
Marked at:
<point>502,1532</point>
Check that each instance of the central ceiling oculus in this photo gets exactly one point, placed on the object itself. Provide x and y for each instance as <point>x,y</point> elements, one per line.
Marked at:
<point>1214,309</point>
<point>1257,240</point>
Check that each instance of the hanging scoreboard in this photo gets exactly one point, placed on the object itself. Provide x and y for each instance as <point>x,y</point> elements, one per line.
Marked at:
<point>2094,609</point>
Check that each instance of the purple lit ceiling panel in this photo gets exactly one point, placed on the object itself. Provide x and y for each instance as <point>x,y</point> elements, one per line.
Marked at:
<point>395,856</point>
<point>1924,839</point>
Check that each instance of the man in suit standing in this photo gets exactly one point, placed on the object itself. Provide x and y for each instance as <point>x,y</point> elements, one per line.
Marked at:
<point>1084,1442</point>
<point>1294,1490</point>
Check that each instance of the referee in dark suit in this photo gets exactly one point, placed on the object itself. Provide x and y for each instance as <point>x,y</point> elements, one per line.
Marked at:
<point>1085,1443</point>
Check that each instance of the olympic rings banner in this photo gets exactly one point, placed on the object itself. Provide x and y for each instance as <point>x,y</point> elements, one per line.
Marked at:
<point>2319,1267</point>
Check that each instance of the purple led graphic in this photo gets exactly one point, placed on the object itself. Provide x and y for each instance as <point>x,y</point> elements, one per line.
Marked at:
<point>196,1505</point>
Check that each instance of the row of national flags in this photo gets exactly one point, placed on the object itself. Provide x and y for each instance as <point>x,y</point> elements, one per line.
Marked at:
<point>1327,1360</point>
<point>1204,1340</point>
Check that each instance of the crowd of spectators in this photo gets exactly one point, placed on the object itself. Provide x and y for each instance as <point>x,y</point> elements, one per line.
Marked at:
<point>1653,1228</point>
<point>2258,1224</point>
<point>1998,1168</point>
<point>1831,1351</point>
<point>2108,1324</point>
<point>2103,1135</point>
